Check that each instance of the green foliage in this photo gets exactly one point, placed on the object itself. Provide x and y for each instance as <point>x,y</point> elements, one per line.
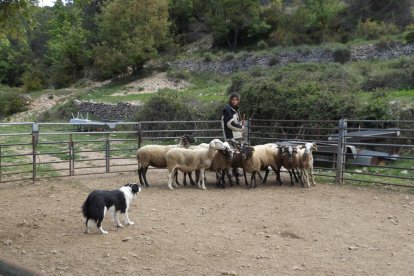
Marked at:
<point>234,20</point>
<point>181,13</point>
<point>13,58</point>
<point>34,78</point>
<point>262,45</point>
<point>370,29</point>
<point>131,32</point>
<point>178,75</point>
<point>11,102</point>
<point>409,34</point>
<point>68,52</point>
<point>16,18</point>
<point>341,54</point>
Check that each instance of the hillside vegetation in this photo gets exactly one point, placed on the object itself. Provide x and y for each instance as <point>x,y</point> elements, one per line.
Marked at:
<point>84,44</point>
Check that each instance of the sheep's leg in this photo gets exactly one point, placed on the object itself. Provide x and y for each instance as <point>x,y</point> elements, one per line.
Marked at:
<point>278,179</point>
<point>223,179</point>
<point>190,176</point>
<point>185,179</point>
<point>140,176</point>
<point>306,177</point>
<point>145,176</point>
<point>254,178</point>
<point>176,177</point>
<point>260,176</point>
<point>170,178</point>
<point>294,174</point>
<point>291,178</point>
<point>245,178</point>
<point>236,175</point>
<point>229,177</point>
<point>311,176</point>
<point>203,176</point>
<point>300,176</point>
<point>266,174</point>
<point>218,179</point>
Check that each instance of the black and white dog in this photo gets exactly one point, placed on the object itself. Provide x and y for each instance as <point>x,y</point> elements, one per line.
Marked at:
<point>116,201</point>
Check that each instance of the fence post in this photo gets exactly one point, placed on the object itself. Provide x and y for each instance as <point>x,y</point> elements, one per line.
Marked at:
<point>248,130</point>
<point>139,135</point>
<point>35,138</point>
<point>0,164</point>
<point>341,152</point>
<point>71,156</point>
<point>107,153</point>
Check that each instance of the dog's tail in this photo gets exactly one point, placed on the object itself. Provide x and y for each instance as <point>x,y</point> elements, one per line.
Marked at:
<point>93,208</point>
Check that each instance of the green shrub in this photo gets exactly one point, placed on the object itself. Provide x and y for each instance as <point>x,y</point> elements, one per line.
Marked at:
<point>370,29</point>
<point>34,78</point>
<point>262,45</point>
<point>228,57</point>
<point>385,43</point>
<point>409,34</point>
<point>208,57</point>
<point>274,60</point>
<point>178,75</point>
<point>11,102</point>
<point>341,54</point>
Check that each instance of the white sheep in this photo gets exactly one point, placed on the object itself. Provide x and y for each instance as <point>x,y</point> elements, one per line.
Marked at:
<point>306,162</point>
<point>189,160</point>
<point>154,155</point>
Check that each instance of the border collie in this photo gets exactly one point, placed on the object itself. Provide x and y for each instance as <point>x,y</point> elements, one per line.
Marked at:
<point>116,201</point>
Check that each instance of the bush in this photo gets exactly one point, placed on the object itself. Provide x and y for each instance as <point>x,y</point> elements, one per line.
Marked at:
<point>228,57</point>
<point>373,30</point>
<point>208,57</point>
<point>34,78</point>
<point>11,102</point>
<point>385,43</point>
<point>262,45</point>
<point>409,34</point>
<point>178,75</point>
<point>341,54</point>
<point>274,60</point>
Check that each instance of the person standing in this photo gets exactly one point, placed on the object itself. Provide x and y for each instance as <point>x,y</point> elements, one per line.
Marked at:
<point>233,128</point>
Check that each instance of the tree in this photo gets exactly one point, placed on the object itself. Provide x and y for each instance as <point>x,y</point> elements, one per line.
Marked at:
<point>232,20</point>
<point>323,12</point>
<point>67,48</point>
<point>181,13</point>
<point>131,32</point>
<point>15,17</point>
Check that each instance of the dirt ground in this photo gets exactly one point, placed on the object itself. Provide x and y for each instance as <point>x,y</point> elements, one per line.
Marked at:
<point>325,230</point>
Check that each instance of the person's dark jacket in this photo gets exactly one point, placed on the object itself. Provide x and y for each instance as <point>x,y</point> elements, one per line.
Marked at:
<point>232,125</point>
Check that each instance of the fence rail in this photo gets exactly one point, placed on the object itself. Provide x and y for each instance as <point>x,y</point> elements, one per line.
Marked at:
<point>365,151</point>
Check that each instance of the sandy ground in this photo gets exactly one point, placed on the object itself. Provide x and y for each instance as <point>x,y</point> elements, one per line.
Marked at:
<point>325,230</point>
<point>152,84</point>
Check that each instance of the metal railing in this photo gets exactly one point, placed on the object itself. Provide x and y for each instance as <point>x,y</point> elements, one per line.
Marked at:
<point>349,150</point>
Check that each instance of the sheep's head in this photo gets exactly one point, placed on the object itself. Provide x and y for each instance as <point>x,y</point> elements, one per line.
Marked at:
<point>247,152</point>
<point>234,144</point>
<point>309,147</point>
<point>289,151</point>
<point>228,151</point>
<point>217,144</point>
<point>187,139</point>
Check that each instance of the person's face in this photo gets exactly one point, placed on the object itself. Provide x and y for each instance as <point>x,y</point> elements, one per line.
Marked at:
<point>234,101</point>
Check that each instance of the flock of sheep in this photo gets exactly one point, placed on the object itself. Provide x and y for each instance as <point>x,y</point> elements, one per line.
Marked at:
<point>221,157</point>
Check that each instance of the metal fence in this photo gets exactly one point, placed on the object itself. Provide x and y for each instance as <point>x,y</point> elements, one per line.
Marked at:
<point>367,151</point>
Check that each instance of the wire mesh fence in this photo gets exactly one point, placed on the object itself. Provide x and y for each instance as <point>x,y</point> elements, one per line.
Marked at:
<point>362,151</point>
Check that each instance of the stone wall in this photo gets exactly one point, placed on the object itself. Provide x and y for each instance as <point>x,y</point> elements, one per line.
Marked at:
<point>102,111</point>
<point>317,55</point>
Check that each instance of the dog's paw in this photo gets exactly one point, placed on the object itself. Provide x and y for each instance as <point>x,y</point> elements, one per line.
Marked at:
<point>104,232</point>
<point>120,225</point>
<point>131,223</point>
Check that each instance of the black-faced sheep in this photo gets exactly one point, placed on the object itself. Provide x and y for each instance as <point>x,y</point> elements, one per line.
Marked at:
<point>291,161</point>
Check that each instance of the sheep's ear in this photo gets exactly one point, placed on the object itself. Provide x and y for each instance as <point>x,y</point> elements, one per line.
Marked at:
<point>303,146</point>
<point>315,147</point>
